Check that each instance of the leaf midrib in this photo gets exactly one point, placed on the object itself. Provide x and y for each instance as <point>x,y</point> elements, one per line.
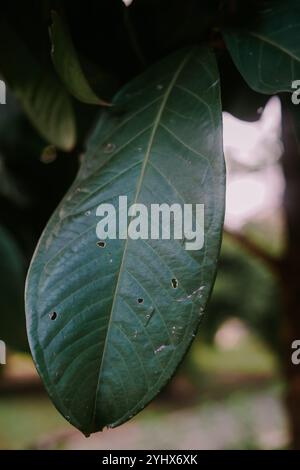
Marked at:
<point>138,190</point>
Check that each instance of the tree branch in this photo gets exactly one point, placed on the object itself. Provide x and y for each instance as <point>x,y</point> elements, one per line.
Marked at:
<point>272,263</point>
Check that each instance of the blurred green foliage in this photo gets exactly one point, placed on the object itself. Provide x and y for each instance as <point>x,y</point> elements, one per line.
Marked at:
<point>244,289</point>
<point>12,274</point>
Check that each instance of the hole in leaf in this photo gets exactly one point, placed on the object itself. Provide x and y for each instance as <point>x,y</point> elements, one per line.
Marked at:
<point>101,244</point>
<point>140,301</point>
<point>174,283</point>
<point>53,316</point>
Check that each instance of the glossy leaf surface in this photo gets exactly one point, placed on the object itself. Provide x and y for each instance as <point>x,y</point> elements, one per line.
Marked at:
<point>109,323</point>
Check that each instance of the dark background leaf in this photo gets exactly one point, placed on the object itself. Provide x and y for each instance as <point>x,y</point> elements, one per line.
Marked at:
<point>12,274</point>
<point>68,66</point>
<point>266,51</point>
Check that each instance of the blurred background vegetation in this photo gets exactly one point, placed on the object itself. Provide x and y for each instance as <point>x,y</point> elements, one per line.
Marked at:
<point>227,393</point>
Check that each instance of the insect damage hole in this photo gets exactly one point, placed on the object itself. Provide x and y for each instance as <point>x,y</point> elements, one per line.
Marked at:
<point>101,244</point>
<point>53,316</point>
<point>174,283</point>
<point>140,301</point>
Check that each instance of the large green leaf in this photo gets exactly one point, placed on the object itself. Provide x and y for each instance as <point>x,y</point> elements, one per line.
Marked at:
<point>67,64</point>
<point>101,353</point>
<point>267,53</point>
<point>42,96</point>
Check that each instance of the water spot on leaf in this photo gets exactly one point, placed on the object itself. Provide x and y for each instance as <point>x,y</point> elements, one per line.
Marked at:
<point>109,147</point>
<point>149,315</point>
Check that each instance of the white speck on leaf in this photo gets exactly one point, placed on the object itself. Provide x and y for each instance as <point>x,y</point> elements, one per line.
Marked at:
<point>195,294</point>
<point>109,147</point>
<point>161,348</point>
